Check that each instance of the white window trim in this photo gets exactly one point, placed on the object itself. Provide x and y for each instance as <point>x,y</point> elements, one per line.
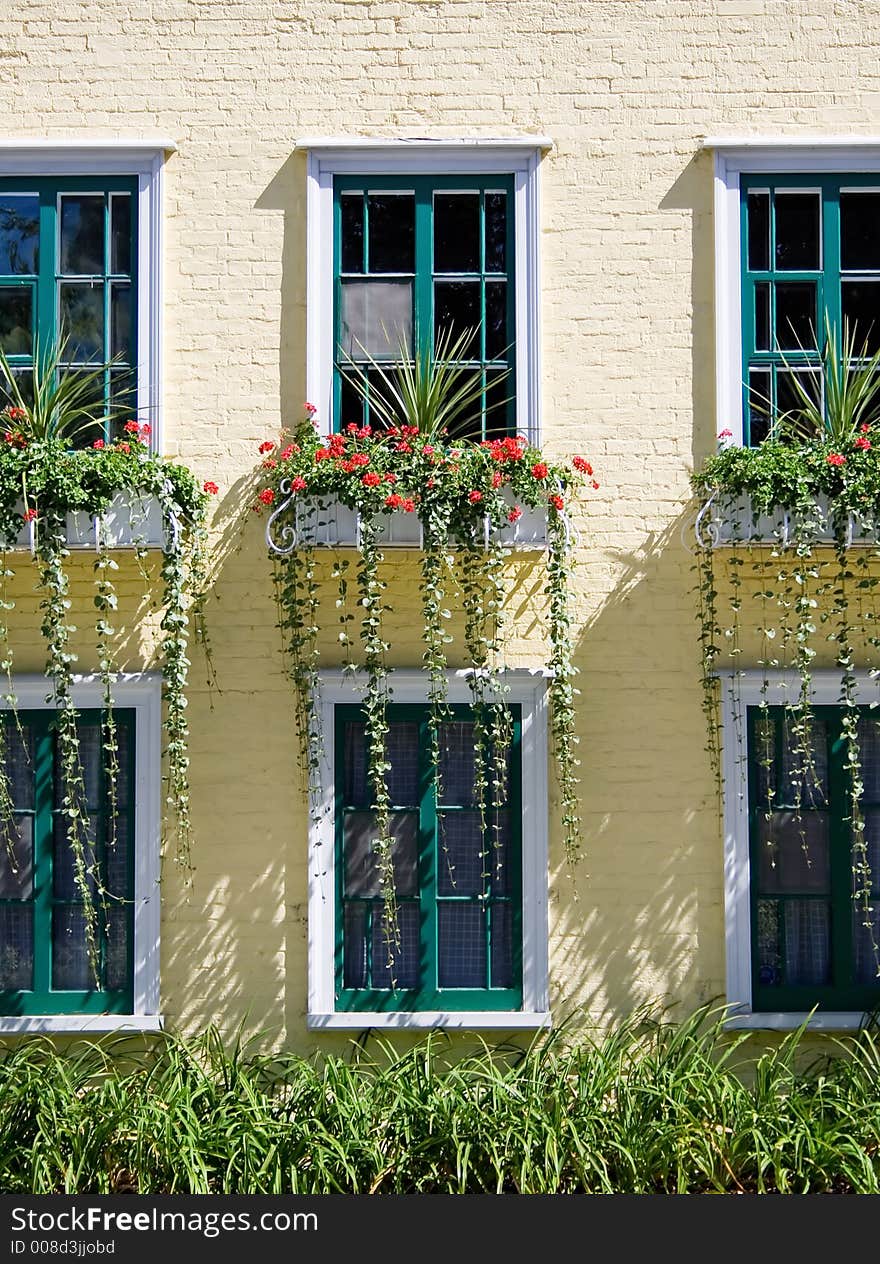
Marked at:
<point>145,160</point>
<point>735,157</point>
<point>142,693</point>
<point>519,157</point>
<point>740,690</point>
<point>529,691</point>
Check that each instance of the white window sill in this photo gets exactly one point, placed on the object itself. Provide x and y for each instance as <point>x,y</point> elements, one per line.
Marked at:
<point>483,1020</point>
<point>829,1021</point>
<point>95,1024</point>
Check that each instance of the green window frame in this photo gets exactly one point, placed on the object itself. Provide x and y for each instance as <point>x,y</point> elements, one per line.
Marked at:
<point>809,246</point>
<point>40,907</point>
<point>397,234</point>
<point>809,948</point>
<point>68,270</point>
<point>450,926</point>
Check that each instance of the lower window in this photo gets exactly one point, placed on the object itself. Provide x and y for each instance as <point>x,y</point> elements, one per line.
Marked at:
<point>458,872</point>
<point>810,946</point>
<point>45,965</point>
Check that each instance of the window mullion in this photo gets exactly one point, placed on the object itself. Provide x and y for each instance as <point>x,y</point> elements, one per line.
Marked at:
<point>829,283</point>
<point>423,282</point>
<point>47,287</point>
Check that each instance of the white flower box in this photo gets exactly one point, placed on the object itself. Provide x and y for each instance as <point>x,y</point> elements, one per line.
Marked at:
<point>725,523</point>
<point>330,524</point>
<point>131,521</point>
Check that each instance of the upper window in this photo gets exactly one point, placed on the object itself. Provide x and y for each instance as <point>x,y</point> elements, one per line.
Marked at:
<point>810,253</point>
<point>68,275</point>
<point>419,260</point>
<point>413,242</point>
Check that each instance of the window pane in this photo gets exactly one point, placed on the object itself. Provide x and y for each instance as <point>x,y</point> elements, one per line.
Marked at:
<point>794,853</point>
<point>355,787</point>
<point>457,768</point>
<point>501,916</point>
<point>869,748</point>
<point>499,390</point>
<point>462,863</point>
<point>351,404</point>
<point>496,320</point>
<point>351,207</point>
<point>860,231</point>
<point>16,858</point>
<point>797,231</point>
<point>392,221</point>
<point>404,966</point>
<point>117,856</point>
<point>807,945</point>
<point>90,762</point>
<point>354,946</point>
<point>82,233</point>
<point>120,233</point>
<point>19,234</point>
<point>499,854</point>
<point>796,315</point>
<point>803,776</point>
<point>403,756</point>
<point>496,232</point>
<point>376,318</point>
<point>64,881</point>
<point>16,946</point>
<point>361,870</point>
<point>457,308</point>
<point>70,954</point>
<point>864,937</point>
<point>82,320</point>
<point>759,231</point>
<point>461,945</point>
<point>861,313</point>
<point>762,316</point>
<point>20,764</point>
<point>759,405</point>
<point>16,319</point>
<point>456,232</point>
<point>792,385</point>
<point>120,321</point>
<point>770,965</point>
<point>123,400</point>
<point>116,958</point>
<point>470,424</point>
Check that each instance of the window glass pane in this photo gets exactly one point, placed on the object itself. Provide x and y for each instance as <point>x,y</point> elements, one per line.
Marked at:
<point>456,232</point>
<point>82,233</point>
<point>501,916</point>
<point>64,880</point>
<point>355,787</point>
<point>16,946</point>
<point>802,776</point>
<point>16,319</point>
<point>759,231</point>
<point>19,234</point>
<point>457,308</point>
<point>470,424</point>
<point>499,390</point>
<point>351,208</point>
<point>82,320</point>
<point>16,858</point>
<point>392,221</point>
<point>403,756</point>
<point>462,862</point>
<point>864,937</point>
<point>499,853</point>
<point>796,315</point>
<point>376,318</point>
<point>354,946</point>
<point>116,950</point>
<point>457,769</point>
<point>794,854</point>
<point>860,230</point>
<point>90,761</point>
<point>120,321</point>
<point>762,316</point>
<point>361,870</point>
<point>869,749</point>
<point>351,404</point>
<point>123,400</point>
<point>404,973</point>
<point>70,954</point>
<point>496,232</point>
<point>797,231</point>
<point>20,764</point>
<point>496,320</point>
<point>759,405</point>
<point>117,855</point>
<point>806,925</point>
<point>792,385</point>
<point>120,233</point>
<point>461,945</point>
<point>770,963</point>
<point>861,313</point>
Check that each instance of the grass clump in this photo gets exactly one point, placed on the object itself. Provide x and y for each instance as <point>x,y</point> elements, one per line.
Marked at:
<point>651,1107</point>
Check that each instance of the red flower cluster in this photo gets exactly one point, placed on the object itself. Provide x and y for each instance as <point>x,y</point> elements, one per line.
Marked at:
<point>834,458</point>
<point>99,444</point>
<point>583,466</point>
<point>372,479</point>
<point>514,514</point>
<point>557,502</point>
<point>122,446</point>
<point>354,462</point>
<point>359,432</point>
<point>266,446</point>
<point>15,438</point>
<point>539,470</point>
<point>211,488</point>
<point>267,496</point>
<point>310,408</point>
<point>29,515</point>
<point>298,484</point>
<point>509,449</point>
<point>862,443</point>
<point>475,497</point>
<point>140,431</point>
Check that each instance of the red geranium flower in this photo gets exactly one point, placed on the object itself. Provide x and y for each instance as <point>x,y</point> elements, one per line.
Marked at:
<point>394,501</point>
<point>372,479</point>
<point>298,484</point>
<point>267,496</point>
<point>582,465</point>
<point>557,502</point>
<point>863,443</point>
<point>123,446</point>
<point>131,427</point>
<point>539,470</point>
<point>408,506</point>
<point>834,458</point>
<point>266,446</point>
<point>98,444</point>
<point>514,514</point>
<point>309,408</point>
<point>211,488</point>
<point>29,515</point>
<point>475,497</point>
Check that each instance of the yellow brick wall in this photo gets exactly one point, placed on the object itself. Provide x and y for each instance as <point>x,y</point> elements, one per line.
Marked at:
<point>626,91</point>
